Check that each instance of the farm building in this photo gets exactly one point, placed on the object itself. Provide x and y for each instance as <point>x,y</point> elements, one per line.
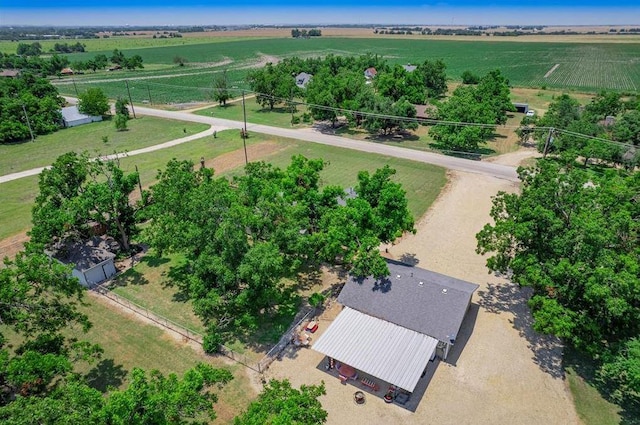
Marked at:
<point>391,328</point>
<point>71,117</point>
<point>303,79</point>
<point>409,68</point>
<point>92,264</point>
<point>521,107</point>
<point>370,73</point>
<point>10,73</point>
<point>66,71</point>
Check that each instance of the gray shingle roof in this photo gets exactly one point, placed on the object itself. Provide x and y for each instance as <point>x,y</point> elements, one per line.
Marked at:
<point>84,256</point>
<point>417,299</point>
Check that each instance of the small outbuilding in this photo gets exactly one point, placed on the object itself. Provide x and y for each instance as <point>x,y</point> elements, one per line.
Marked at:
<point>10,73</point>
<point>72,117</point>
<point>521,107</point>
<point>303,79</point>
<point>92,264</point>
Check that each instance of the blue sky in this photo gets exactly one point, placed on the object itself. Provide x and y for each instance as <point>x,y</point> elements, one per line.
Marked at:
<point>183,12</point>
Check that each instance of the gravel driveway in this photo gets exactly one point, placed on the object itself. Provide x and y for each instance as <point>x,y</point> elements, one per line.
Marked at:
<point>502,372</point>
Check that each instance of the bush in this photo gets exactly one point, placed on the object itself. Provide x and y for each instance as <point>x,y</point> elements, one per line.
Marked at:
<point>295,120</point>
<point>316,299</point>
<point>469,77</point>
<point>121,122</point>
<point>122,108</point>
<point>211,342</point>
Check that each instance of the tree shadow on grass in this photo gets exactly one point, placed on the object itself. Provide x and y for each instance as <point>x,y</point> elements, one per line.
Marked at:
<point>106,374</point>
<point>586,368</point>
<point>475,154</point>
<point>510,298</point>
<point>134,277</point>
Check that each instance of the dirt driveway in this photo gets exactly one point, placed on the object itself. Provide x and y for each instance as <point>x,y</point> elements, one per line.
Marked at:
<point>505,373</point>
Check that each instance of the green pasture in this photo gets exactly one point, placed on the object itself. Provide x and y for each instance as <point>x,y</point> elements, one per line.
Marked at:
<point>279,116</point>
<point>95,45</point>
<point>141,132</point>
<point>583,66</point>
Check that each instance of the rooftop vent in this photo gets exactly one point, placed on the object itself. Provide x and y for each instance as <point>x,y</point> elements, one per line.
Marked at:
<point>444,291</point>
<point>421,283</point>
<point>397,276</point>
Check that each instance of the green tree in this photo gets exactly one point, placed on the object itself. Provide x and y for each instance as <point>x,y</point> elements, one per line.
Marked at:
<point>35,96</point>
<point>280,403</point>
<point>241,238</point>
<point>156,399</point>
<point>469,77</point>
<point>434,77</point>
<point>622,372</point>
<point>221,88</point>
<point>122,107</point>
<point>271,84</point>
<point>118,58</point>
<point>93,102</point>
<point>75,191</point>
<point>133,63</point>
<point>627,129</point>
<point>572,236</point>
<point>121,122</point>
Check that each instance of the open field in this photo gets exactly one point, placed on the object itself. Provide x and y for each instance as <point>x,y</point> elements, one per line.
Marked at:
<point>142,132</point>
<point>581,66</point>
<point>144,39</point>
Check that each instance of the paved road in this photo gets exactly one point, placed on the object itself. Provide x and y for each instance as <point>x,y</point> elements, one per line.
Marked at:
<point>453,163</point>
<point>218,124</point>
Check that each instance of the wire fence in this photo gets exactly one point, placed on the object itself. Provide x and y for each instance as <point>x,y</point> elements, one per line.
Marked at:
<point>190,335</point>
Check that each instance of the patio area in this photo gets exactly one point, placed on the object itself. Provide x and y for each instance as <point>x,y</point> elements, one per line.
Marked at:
<point>371,386</point>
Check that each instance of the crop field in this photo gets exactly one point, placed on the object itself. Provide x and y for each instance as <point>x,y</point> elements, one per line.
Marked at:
<point>582,66</point>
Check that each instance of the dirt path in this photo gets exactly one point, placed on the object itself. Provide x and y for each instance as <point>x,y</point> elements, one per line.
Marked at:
<point>505,374</point>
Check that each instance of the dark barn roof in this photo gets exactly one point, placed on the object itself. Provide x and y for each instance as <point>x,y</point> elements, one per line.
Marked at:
<point>421,300</point>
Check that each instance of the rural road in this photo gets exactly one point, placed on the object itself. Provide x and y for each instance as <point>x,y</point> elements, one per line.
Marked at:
<point>477,167</point>
<point>453,163</point>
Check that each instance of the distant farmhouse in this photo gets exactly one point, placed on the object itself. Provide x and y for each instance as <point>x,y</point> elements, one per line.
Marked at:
<point>303,79</point>
<point>72,117</point>
<point>370,73</point>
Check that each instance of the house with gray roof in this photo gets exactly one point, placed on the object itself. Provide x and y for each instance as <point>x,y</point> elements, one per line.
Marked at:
<point>391,327</point>
<point>409,68</point>
<point>303,79</point>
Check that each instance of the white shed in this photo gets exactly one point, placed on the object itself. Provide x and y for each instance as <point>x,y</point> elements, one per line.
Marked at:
<point>91,265</point>
<point>72,117</point>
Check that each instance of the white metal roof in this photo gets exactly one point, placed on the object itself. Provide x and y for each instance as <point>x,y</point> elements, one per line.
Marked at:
<point>390,352</point>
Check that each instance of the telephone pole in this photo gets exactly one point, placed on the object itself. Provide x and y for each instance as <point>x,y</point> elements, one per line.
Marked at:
<point>548,142</point>
<point>28,122</point>
<point>130,101</point>
<point>244,130</point>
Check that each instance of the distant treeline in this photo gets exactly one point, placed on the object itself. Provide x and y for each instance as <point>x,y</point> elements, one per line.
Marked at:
<point>297,33</point>
<point>512,31</point>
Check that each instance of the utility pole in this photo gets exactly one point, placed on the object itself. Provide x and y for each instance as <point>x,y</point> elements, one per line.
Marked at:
<point>75,87</point>
<point>28,122</point>
<point>244,130</point>
<point>149,91</point>
<point>548,142</point>
<point>130,101</point>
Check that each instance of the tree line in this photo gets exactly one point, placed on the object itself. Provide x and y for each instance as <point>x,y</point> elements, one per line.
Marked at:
<point>611,124</point>
<point>303,33</point>
<point>572,235</point>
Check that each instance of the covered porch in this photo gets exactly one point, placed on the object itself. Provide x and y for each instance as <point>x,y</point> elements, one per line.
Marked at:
<point>377,356</point>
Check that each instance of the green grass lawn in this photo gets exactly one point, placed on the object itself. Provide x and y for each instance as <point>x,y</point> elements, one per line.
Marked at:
<point>129,343</point>
<point>17,196</point>
<point>278,117</point>
<point>591,406</point>
<point>142,132</point>
<point>147,284</point>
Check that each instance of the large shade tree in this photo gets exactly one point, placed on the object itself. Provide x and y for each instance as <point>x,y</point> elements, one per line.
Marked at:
<point>242,237</point>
